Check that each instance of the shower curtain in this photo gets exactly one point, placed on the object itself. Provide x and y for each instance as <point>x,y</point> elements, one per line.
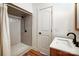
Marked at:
<point>5,35</point>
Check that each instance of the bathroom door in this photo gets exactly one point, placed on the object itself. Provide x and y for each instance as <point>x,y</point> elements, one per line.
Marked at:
<point>44,29</point>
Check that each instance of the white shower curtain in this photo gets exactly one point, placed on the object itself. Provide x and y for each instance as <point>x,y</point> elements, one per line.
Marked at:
<point>5,35</point>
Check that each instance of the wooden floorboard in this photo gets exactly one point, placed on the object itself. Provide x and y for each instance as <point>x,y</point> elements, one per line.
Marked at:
<point>33,53</point>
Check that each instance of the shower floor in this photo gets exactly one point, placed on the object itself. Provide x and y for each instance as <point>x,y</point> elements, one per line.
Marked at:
<point>19,49</point>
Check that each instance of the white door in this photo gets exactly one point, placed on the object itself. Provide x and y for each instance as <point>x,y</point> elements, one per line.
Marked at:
<point>44,29</point>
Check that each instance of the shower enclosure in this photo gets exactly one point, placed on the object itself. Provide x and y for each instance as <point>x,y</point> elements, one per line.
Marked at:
<point>20,30</point>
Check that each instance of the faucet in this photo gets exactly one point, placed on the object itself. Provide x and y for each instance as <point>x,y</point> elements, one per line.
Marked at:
<point>74,40</point>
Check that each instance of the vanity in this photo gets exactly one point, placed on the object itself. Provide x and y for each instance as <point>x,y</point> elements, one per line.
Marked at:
<point>57,52</point>
<point>63,47</point>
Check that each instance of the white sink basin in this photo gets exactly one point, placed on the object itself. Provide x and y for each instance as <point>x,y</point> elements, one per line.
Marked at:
<point>64,44</point>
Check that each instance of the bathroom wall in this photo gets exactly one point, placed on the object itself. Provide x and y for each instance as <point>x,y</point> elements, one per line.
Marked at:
<point>63,20</point>
<point>26,37</point>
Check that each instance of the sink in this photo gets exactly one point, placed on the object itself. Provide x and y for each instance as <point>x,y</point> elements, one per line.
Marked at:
<point>64,44</point>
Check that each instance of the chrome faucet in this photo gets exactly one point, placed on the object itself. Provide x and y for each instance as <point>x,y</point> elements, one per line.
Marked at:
<point>74,40</point>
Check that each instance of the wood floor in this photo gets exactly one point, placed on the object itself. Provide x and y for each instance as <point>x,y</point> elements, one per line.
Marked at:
<point>33,53</point>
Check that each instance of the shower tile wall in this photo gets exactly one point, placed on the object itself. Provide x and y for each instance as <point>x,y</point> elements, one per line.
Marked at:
<point>26,36</point>
<point>15,29</point>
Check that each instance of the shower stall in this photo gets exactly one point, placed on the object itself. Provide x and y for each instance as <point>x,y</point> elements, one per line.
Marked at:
<point>20,30</point>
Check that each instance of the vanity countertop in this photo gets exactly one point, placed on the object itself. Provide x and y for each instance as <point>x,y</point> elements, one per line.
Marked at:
<point>64,44</point>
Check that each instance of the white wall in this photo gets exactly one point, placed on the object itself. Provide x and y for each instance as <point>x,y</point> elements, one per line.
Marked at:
<point>34,27</point>
<point>63,20</point>
<point>26,6</point>
<point>62,17</point>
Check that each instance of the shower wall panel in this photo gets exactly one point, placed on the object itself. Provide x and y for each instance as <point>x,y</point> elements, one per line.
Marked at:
<point>26,37</point>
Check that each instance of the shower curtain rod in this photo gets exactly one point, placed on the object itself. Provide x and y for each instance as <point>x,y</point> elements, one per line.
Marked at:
<point>18,8</point>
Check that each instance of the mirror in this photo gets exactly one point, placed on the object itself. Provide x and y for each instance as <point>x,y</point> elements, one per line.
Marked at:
<point>76,16</point>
